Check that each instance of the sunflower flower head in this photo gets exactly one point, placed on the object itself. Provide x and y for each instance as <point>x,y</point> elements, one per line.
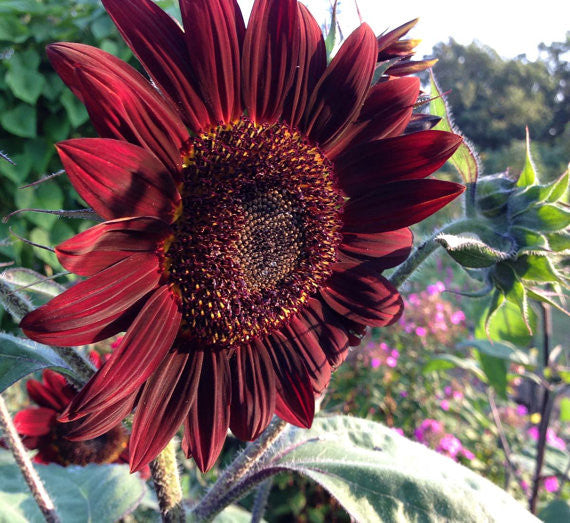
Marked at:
<point>252,195</point>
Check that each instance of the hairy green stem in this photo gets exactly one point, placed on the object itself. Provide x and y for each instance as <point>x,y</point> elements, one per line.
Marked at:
<point>423,251</point>
<point>260,501</point>
<point>216,498</point>
<point>24,463</point>
<point>166,479</point>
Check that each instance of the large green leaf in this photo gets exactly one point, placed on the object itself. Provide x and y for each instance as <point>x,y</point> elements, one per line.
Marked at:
<point>378,475</point>
<point>20,357</point>
<point>20,120</point>
<point>95,493</point>
<point>557,511</point>
<point>464,159</point>
<point>503,350</point>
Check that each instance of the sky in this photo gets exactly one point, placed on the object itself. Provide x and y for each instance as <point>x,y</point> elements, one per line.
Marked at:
<point>509,27</point>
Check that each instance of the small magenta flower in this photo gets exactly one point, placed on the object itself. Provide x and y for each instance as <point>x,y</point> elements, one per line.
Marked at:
<point>375,363</point>
<point>448,391</point>
<point>444,405</point>
<point>533,432</point>
<point>391,362</point>
<point>421,331</point>
<point>551,484</point>
<point>522,410</point>
<point>449,445</point>
<point>436,288</point>
<point>467,454</point>
<point>457,317</point>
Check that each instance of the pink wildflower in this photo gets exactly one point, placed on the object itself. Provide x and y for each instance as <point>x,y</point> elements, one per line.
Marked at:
<point>551,484</point>
<point>457,317</point>
<point>375,363</point>
<point>522,410</point>
<point>444,405</point>
<point>391,362</point>
<point>421,332</point>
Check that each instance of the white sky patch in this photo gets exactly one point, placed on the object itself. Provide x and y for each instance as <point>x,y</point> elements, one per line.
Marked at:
<point>509,27</point>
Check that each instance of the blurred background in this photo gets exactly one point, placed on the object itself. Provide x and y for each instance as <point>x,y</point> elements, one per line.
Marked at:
<point>504,69</point>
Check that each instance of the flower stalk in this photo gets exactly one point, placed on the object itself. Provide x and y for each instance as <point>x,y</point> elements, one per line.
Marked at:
<point>24,463</point>
<point>216,499</point>
<point>166,479</point>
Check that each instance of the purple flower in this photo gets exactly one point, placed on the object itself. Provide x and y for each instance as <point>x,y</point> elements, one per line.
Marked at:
<point>428,429</point>
<point>436,288</point>
<point>448,390</point>
<point>467,454</point>
<point>457,317</point>
<point>394,353</point>
<point>522,410</point>
<point>554,440</point>
<point>524,485</point>
<point>384,347</point>
<point>450,445</point>
<point>551,484</point>
<point>403,394</point>
<point>398,430</point>
<point>391,362</point>
<point>444,405</point>
<point>421,332</point>
<point>375,363</point>
<point>414,299</point>
<point>457,395</point>
<point>533,432</point>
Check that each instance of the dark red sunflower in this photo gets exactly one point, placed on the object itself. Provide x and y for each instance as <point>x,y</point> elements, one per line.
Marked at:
<point>41,431</point>
<point>252,196</point>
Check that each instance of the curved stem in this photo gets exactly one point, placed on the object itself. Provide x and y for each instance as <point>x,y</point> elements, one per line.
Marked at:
<point>260,501</point>
<point>24,463</point>
<point>164,470</point>
<point>423,251</point>
<point>214,501</point>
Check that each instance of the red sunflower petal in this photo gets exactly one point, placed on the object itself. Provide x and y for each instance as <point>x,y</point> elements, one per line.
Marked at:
<point>386,112</point>
<point>397,205</point>
<point>45,395</point>
<point>134,113</point>
<point>387,248</point>
<point>107,243</point>
<point>295,402</point>
<point>159,44</point>
<point>86,312</point>
<point>214,31</point>
<point>253,392</point>
<point>300,338</point>
<point>35,421</point>
<point>366,167</point>
<point>58,386</point>
<point>119,179</point>
<point>144,346</point>
<point>207,423</point>
<point>388,39</point>
<point>98,423</point>
<point>269,61</point>
<point>324,323</point>
<point>163,405</point>
<point>341,91</point>
<point>311,64</point>
<point>360,294</point>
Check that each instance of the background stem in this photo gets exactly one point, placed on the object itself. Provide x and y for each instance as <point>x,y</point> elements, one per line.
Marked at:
<point>260,501</point>
<point>24,463</point>
<point>546,408</point>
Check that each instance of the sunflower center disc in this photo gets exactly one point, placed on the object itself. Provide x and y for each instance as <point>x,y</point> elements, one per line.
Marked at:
<point>102,449</point>
<point>257,233</point>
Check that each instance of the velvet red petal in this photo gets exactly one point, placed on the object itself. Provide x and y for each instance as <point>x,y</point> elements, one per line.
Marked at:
<point>98,423</point>
<point>159,44</point>
<point>269,61</point>
<point>360,294</point>
<point>396,205</point>
<point>214,31</point>
<point>388,39</point>
<point>295,402</point>
<point>107,243</point>
<point>42,396</point>
<point>253,392</point>
<point>388,249</point>
<point>85,313</point>
<point>119,179</point>
<point>35,421</point>
<point>144,346</point>
<point>54,393</point>
<point>386,112</point>
<point>341,91</point>
<point>299,338</point>
<point>366,167</point>
<point>311,64</point>
<point>164,404</point>
<point>324,323</point>
<point>207,423</point>
<point>134,113</point>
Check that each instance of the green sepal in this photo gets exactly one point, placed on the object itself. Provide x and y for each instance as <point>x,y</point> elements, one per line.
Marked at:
<point>545,218</point>
<point>528,175</point>
<point>535,294</point>
<point>470,252</point>
<point>528,240</point>
<point>559,188</point>
<point>538,269</point>
<point>558,241</point>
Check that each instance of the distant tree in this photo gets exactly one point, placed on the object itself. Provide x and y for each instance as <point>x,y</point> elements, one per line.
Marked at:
<point>493,99</point>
